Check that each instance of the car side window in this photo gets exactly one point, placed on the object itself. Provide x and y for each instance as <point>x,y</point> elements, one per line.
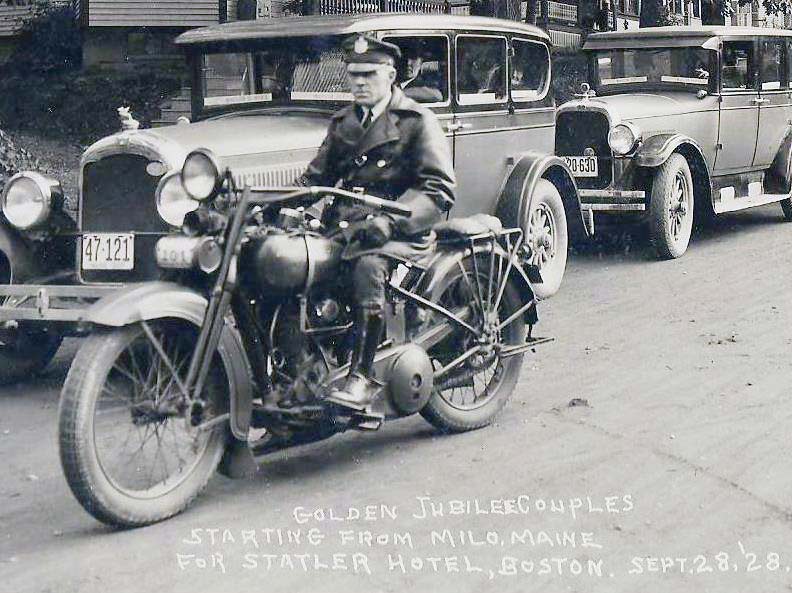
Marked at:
<point>772,67</point>
<point>423,71</point>
<point>737,68</point>
<point>530,70</point>
<point>481,70</point>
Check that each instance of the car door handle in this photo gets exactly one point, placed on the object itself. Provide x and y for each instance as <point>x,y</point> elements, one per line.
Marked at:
<point>759,100</point>
<point>455,126</point>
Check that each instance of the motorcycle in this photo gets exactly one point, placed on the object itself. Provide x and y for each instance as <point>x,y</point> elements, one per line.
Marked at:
<point>231,355</point>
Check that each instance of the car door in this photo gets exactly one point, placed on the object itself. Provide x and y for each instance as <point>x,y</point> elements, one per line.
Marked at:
<point>739,107</point>
<point>491,127</point>
<point>775,98</point>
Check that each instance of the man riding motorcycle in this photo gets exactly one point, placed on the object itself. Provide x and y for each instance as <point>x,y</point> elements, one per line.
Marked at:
<point>387,145</point>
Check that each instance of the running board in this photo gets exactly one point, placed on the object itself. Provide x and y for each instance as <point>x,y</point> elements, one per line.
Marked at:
<point>730,203</point>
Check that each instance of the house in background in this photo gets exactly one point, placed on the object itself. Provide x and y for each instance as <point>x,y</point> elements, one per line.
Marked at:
<point>13,14</point>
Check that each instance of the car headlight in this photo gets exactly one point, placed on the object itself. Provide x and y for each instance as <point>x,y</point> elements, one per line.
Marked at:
<point>28,198</point>
<point>623,138</point>
<point>201,174</point>
<point>172,200</point>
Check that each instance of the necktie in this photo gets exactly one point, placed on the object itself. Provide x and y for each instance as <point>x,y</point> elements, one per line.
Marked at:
<point>366,119</point>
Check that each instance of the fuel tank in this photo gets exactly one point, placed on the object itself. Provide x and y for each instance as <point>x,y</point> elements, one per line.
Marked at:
<point>291,262</point>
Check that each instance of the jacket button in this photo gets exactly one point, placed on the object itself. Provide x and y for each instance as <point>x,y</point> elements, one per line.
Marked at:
<point>381,163</point>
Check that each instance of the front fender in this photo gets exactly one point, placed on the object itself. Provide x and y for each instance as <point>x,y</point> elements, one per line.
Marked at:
<point>22,263</point>
<point>161,300</point>
<point>517,191</point>
<point>655,150</point>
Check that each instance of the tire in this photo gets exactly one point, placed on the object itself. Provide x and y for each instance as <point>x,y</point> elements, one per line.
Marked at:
<point>445,410</point>
<point>120,359</point>
<point>545,229</point>
<point>786,208</point>
<point>671,208</point>
<point>25,350</point>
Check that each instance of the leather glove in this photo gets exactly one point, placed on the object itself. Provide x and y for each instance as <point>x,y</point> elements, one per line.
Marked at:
<point>377,231</point>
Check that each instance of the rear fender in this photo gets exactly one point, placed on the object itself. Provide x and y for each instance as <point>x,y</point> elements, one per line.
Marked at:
<point>518,189</point>
<point>449,262</point>
<point>781,169</point>
<point>162,300</point>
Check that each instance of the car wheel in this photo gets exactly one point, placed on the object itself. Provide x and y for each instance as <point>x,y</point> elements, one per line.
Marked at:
<point>25,348</point>
<point>786,207</point>
<point>671,208</point>
<point>546,236</point>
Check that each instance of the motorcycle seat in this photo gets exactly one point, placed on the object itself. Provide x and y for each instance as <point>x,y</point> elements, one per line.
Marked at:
<point>460,228</point>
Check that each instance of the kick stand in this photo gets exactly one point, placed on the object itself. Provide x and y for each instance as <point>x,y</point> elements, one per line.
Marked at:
<point>238,461</point>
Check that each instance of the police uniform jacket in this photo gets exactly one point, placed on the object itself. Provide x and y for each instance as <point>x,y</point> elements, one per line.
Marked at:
<point>402,155</point>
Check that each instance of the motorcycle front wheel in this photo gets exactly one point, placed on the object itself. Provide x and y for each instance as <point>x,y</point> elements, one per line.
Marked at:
<point>475,390</point>
<point>129,446</point>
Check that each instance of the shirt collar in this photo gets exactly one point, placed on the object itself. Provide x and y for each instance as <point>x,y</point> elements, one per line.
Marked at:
<point>379,107</point>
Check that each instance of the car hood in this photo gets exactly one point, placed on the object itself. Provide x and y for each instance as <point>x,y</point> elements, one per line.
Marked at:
<point>637,106</point>
<point>237,140</point>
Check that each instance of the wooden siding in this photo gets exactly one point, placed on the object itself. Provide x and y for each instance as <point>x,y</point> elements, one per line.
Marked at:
<point>12,18</point>
<point>150,13</point>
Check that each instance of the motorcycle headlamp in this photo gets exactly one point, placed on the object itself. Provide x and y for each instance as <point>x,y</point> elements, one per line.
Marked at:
<point>623,138</point>
<point>172,200</point>
<point>201,175</point>
<point>28,198</point>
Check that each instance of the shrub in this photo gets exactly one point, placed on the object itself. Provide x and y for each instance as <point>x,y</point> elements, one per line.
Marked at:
<point>44,91</point>
<point>13,159</point>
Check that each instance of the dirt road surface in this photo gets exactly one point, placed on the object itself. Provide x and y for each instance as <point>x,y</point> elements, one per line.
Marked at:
<point>672,474</point>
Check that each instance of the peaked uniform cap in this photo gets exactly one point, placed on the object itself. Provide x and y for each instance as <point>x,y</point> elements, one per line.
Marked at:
<point>364,49</point>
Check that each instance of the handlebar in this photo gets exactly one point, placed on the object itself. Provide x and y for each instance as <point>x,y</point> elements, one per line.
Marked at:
<point>296,194</point>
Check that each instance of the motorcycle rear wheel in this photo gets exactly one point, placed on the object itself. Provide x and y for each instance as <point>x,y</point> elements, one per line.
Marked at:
<point>481,393</point>
<point>127,463</point>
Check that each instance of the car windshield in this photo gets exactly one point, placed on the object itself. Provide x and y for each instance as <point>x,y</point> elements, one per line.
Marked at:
<point>291,70</point>
<point>683,67</point>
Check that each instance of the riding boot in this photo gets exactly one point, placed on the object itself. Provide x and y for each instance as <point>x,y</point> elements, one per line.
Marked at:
<point>359,387</point>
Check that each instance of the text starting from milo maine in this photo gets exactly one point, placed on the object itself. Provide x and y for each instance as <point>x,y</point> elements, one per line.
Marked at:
<point>488,538</point>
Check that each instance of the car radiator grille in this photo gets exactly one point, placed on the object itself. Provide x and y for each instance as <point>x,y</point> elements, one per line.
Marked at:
<point>274,176</point>
<point>118,197</point>
<point>578,130</point>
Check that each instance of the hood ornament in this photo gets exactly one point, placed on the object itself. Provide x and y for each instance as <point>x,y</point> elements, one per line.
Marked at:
<point>128,123</point>
<point>586,92</point>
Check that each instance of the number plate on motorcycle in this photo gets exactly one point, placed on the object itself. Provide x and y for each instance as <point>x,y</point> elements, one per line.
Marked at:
<point>582,166</point>
<point>108,251</point>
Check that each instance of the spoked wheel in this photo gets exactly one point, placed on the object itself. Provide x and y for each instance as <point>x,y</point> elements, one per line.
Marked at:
<point>671,208</point>
<point>477,375</point>
<point>546,235</point>
<point>135,450</point>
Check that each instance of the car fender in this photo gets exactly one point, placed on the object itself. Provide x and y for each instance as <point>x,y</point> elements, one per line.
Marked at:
<point>160,300</point>
<point>782,165</point>
<point>21,260</point>
<point>655,150</point>
<point>518,188</point>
